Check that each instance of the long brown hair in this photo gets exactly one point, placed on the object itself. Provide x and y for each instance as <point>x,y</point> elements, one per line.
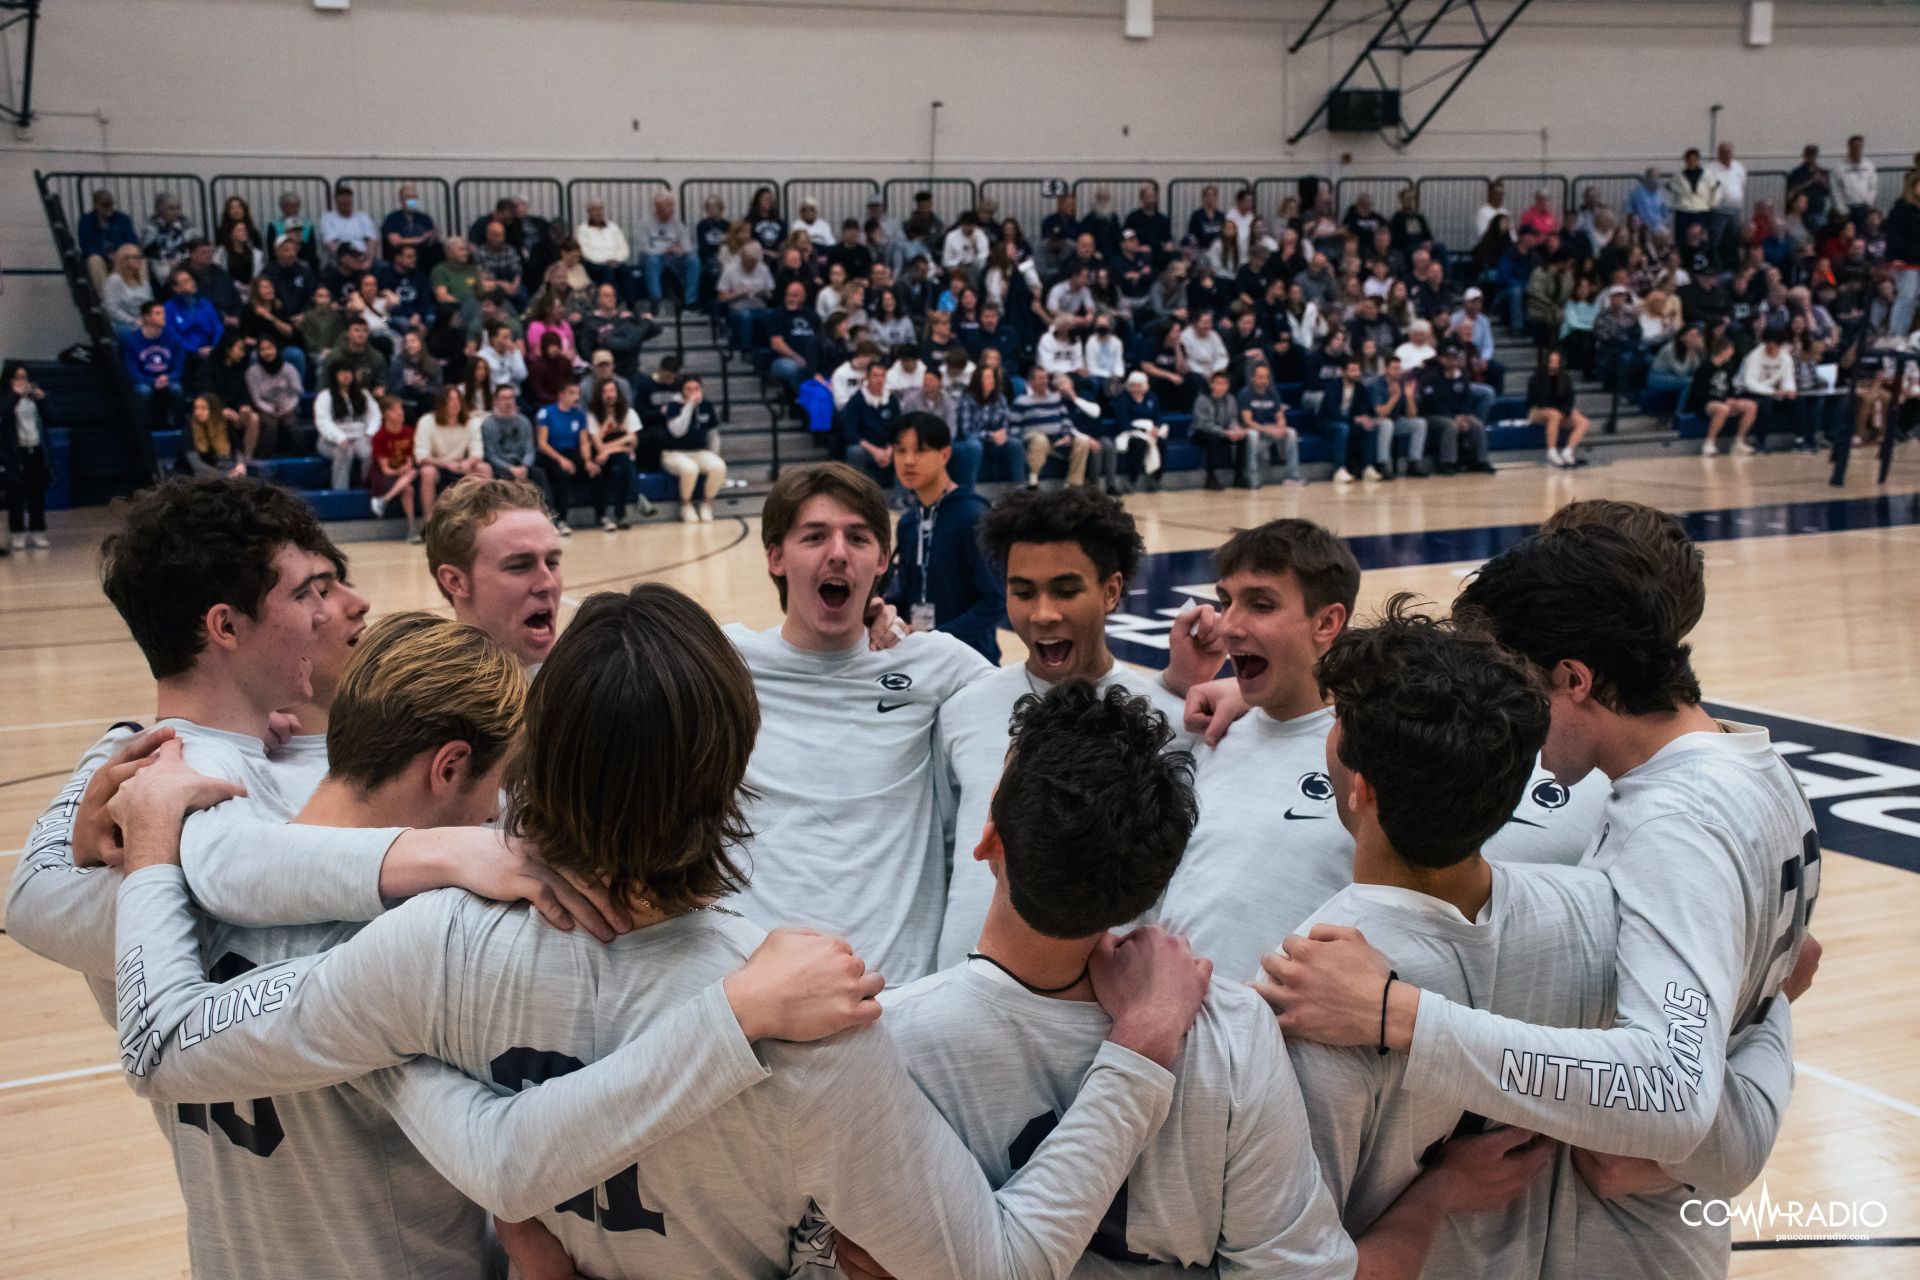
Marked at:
<point>638,732</point>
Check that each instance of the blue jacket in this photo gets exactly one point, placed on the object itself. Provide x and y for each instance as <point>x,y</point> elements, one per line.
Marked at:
<point>816,401</point>
<point>148,358</point>
<point>867,422</point>
<point>97,241</point>
<point>1362,405</point>
<point>965,591</point>
<point>193,322</point>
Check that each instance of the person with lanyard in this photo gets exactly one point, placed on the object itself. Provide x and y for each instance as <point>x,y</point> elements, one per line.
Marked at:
<point>24,473</point>
<point>942,580</point>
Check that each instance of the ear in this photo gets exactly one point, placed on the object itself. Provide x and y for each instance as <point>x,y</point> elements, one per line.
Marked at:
<point>1361,797</point>
<point>777,560</point>
<point>1575,678</point>
<point>1328,624</point>
<point>1113,591</point>
<point>451,768</point>
<point>454,583</point>
<point>989,850</point>
<point>223,626</point>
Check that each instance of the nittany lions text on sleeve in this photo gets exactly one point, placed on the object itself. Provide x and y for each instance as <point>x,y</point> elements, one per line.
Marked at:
<point>1269,847</point>
<point>1714,861</point>
<point>513,1002</point>
<point>1553,822</point>
<point>1541,949</point>
<point>1229,1182</point>
<point>847,830</point>
<point>973,739</point>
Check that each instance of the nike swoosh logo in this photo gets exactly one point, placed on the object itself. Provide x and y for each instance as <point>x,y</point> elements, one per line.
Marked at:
<point>1526,822</point>
<point>1300,817</point>
<point>892,706</point>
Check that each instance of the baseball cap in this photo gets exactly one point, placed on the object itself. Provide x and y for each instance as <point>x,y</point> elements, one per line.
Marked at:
<point>1471,294</point>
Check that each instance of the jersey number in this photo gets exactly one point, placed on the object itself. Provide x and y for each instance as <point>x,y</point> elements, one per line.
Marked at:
<point>622,1211</point>
<point>264,1135</point>
<point>1799,888</point>
<point>1110,1241</point>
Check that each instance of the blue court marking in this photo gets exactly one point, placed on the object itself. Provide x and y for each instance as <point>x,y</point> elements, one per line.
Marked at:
<point>1168,579</point>
<point>1864,787</point>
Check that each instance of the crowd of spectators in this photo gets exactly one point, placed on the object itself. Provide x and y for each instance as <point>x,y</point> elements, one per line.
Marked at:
<point>1098,338</point>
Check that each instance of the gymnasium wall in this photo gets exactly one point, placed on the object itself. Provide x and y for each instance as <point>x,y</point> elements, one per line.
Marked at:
<point>583,87</point>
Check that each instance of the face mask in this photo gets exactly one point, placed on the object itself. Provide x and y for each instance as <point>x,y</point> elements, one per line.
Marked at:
<point>412,204</point>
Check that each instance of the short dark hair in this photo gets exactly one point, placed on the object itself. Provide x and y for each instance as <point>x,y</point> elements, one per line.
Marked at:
<point>928,428</point>
<point>1327,571</point>
<point>835,480</point>
<point>1597,596</point>
<point>1102,527</point>
<point>643,695</point>
<point>1683,570</point>
<point>1093,809</point>
<point>192,543</point>
<point>1442,722</point>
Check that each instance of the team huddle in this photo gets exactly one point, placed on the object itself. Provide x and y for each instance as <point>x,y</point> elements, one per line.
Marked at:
<point>1449,943</point>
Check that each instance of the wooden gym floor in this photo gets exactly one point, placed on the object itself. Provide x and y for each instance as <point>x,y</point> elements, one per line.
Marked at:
<point>1820,626</point>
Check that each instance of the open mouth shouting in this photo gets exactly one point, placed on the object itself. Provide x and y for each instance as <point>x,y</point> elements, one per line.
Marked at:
<point>835,592</point>
<point>1055,657</point>
<point>538,626</point>
<point>1248,667</point>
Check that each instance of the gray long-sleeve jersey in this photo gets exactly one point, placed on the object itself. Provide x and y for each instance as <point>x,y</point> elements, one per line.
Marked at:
<point>1228,1183</point>
<point>974,735</point>
<point>1269,847</point>
<point>323,1176</point>
<point>1553,822</point>
<point>1715,864</point>
<point>848,830</point>
<point>508,1001</point>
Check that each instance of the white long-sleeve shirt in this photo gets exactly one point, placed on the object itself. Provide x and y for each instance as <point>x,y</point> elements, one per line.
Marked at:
<point>435,443</point>
<point>1205,356</point>
<point>1857,183</point>
<point>606,243</point>
<point>348,429</point>
<point>964,248</point>
<point>1767,375</point>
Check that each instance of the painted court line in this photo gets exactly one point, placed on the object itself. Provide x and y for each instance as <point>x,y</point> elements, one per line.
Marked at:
<point>1859,1090</point>
<point>78,1073</point>
<point>102,721</point>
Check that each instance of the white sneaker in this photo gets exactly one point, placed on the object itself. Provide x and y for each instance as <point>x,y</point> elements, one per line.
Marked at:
<point>561,527</point>
<point>1292,482</point>
<point>1342,476</point>
<point>706,513</point>
<point>1741,449</point>
<point>606,522</point>
<point>688,515</point>
<point>1709,450</point>
<point>18,542</point>
<point>1371,475</point>
<point>378,507</point>
<point>39,540</point>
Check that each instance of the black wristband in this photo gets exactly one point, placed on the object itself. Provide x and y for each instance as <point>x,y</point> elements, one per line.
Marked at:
<point>1393,975</point>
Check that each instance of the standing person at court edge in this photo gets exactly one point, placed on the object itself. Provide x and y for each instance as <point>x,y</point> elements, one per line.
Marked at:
<point>942,580</point>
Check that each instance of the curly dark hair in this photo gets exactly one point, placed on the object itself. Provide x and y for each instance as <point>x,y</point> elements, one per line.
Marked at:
<point>634,761</point>
<point>192,543</point>
<point>1098,523</point>
<point>1322,562</point>
<point>1597,596</point>
<point>1443,723</point>
<point>1683,571</point>
<point>1093,809</point>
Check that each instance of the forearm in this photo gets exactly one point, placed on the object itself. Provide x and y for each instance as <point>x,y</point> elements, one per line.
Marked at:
<point>256,872</point>
<point>1753,1103</point>
<point>54,909</point>
<point>1395,1247</point>
<point>516,1155</point>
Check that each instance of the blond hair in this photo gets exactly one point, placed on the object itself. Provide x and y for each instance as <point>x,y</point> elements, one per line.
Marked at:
<point>463,511</point>
<point>416,682</point>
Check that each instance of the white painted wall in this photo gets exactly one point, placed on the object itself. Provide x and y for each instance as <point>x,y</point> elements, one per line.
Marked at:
<point>843,86</point>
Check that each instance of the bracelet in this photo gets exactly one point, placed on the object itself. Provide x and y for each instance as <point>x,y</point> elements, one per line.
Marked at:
<point>1393,975</point>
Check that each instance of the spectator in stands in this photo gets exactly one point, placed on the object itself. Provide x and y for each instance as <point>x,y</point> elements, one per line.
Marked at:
<point>1548,289</point>
<point>929,397</point>
<point>1139,431</point>
<point>692,452</point>
<point>1346,407</point>
<point>164,238</point>
<point>1695,194</point>
<point>25,474</point>
<point>1648,201</point>
<point>357,352</point>
<point>506,438</point>
<point>192,320</point>
<point>905,373</point>
<point>1064,222</point>
<point>763,219</point>
<point>209,443</point>
<point>1674,367</point>
<point>1715,396</point>
<point>1616,340</point>
<point>409,227</point>
<point>965,247</point>
<point>447,447</point>
<point>293,224</point>
<point>505,361</point>
<point>1204,223</point>
<point>346,415</point>
<point>981,428</point>
<point>1059,351</point>
<point>156,365</point>
<point>923,226</point>
<point>1409,227</point>
<point>1106,360</point>
<point>808,219</point>
<point>1857,182</point>
<point>608,448</point>
<point>1903,253</point>
<point>1446,396</point>
<point>500,261</point>
<point>793,338</point>
<point>1730,204</point>
<point>1810,179</point>
<point>612,330</point>
<point>102,233</point>
<point>1550,405</point>
<point>1396,401</point>
<point>557,428</point>
<point>1102,222</point>
<point>1766,376</point>
<point>239,255</point>
<point>1262,418</point>
<point>409,297</point>
<point>867,425</point>
<point>392,472</point>
<point>601,369</point>
<point>547,373</point>
<point>1204,348</point>
<point>349,268</point>
<point>746,290</point>
<point>273,392</point>
<point>128,288</point>
<point>455,280</point>
<point>415,377</point>
<point>1044,417</point>
<point>293,277</point>
<point>1495,207</point>
<point>226,378</point>
<point>603,246</point>
<point>1418,348</point>
<point>1541,217</point>
<point>212,280</point>
<point>1149,224</point>
<point>322,327</point>
<point>1217,429</point>
<point>345,226</point>
<point>235,213</point>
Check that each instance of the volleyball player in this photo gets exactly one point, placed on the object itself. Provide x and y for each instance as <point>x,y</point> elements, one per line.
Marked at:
<point>495,557</point>
<point>644,692</point>
<point>1269,847</point>
<point>846,813</point>
<point>1091,816</point>
<point>1066,558</point>
<point>1712,855</point>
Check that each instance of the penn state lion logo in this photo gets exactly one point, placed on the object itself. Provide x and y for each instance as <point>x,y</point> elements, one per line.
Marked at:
<point>1316,786</point>
<point>1549,794</point>
<point>896,681</point>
